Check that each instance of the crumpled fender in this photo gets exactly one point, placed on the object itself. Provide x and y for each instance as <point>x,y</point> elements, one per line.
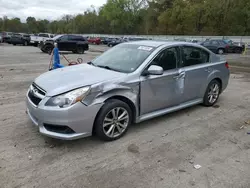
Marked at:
<point>103,92</point>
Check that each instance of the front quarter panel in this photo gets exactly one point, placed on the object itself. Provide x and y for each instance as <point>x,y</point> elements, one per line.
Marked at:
<point>102,92</point>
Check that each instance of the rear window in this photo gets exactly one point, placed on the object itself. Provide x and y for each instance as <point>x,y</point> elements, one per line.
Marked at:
<point>43,35</point>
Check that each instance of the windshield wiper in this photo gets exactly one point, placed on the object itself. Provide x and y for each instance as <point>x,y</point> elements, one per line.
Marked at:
<point>90,63</point>
<point>107,67</point>
<point>104,66</point>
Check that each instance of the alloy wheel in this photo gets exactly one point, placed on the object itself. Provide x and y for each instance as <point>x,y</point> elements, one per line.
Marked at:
<point>221,51</point>
<point>213,93</point>
<point>115,122</point>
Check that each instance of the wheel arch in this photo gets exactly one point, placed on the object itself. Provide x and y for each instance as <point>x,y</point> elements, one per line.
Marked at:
<point>123,99</point>
<point>220,81</point>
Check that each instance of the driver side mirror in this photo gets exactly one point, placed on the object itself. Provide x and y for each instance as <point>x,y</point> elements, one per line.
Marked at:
<point>153,70</point>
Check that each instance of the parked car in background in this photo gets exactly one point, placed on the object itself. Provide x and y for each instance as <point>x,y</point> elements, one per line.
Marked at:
<point>74,43</point>
<point>116,41</point>
<point>221,46</point>
<point>94,40</point>
<point>36,39</point>
<point>20,38</point>
<point>107,40</point>
<point>6,36</point>
<point>235,47</point>
<point>129,83</point>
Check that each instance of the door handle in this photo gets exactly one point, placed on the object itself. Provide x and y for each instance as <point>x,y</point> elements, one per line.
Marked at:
<point>180,75</point>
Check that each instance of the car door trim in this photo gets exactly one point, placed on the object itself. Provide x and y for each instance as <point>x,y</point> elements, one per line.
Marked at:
<point>168,110</point>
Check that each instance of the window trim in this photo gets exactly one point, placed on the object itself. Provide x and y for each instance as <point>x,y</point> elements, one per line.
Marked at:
<point>182,54</point>
<point>165,48</point>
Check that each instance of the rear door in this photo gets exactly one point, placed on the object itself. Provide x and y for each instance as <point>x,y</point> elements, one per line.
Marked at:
<point>195,64</point>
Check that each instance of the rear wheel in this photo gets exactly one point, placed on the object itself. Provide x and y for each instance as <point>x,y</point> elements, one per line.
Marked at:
<point>212,93</point>
<point>113,120</point>
<point>80,50</point>
<point>238,50</point>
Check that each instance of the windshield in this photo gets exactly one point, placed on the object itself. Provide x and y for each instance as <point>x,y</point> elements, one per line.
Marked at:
<point>57,37</point>
<point>124,57</point>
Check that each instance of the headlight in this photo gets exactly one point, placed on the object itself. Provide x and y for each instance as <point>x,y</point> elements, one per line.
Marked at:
<point>68,99</point>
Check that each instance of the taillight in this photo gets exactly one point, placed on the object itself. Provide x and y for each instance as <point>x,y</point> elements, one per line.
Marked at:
<point>227,65</point>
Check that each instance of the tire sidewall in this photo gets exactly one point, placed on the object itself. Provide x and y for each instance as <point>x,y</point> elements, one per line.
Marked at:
<point>48,49</point>
<point>205,99</point>
<point>107,107</point>
<point>80,50</point>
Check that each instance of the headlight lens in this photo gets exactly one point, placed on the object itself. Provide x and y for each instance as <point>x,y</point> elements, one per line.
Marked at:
<point>68,99</point>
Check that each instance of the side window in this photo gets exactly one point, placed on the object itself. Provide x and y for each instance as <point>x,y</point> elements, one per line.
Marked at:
<point>64,38</point>
<point>194,56</point>
<point>167,59</point>
<point>206,43</point>
<point>71,37</point>
<point>214,42</point>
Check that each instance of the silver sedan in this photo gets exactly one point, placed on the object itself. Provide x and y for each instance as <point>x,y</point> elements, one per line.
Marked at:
<point>130,83</point>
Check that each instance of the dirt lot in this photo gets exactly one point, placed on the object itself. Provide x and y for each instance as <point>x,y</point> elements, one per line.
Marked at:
<point>158,153</point>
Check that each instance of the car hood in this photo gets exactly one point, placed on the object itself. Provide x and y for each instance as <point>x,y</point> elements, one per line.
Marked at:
<point>71,77</point>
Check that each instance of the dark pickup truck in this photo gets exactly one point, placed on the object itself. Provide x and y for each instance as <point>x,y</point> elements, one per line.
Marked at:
<point>74,43</point>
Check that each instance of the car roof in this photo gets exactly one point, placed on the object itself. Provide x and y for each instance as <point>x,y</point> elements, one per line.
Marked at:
<point>156,43</point>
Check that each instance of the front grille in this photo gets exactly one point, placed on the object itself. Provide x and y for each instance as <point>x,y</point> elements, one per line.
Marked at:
<point>58,128</point>
<point>34,99</point>
<point>36,94</point>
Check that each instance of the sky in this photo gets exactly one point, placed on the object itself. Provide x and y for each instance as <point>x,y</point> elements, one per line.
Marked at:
<point>45,9</point>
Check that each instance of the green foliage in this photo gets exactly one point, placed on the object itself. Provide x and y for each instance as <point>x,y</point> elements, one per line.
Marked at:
<point>178,17</point>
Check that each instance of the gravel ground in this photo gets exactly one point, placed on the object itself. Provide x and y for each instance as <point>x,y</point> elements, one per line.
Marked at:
<point>158,153</point>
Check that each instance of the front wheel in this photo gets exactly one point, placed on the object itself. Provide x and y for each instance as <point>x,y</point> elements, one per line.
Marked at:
<point>113,120</point>
<point>221,51</point>
<point>212,93</point>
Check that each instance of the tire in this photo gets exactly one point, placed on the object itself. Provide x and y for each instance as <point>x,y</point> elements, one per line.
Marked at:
<point>207,100</point>
<point>220,51</point>
<point>48,49</point>
<point>80,50</point>
<point>238,50</point>
<point>113,129</point>
<point>74,51</point>
<point>14,44</point>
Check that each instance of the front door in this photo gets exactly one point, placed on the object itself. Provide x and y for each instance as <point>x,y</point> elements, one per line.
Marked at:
<point>62,43</point>
<point>195,64</point>
<point>162,91</point>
